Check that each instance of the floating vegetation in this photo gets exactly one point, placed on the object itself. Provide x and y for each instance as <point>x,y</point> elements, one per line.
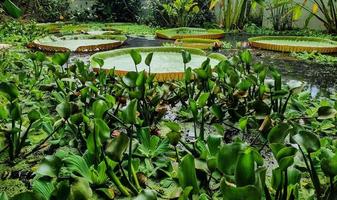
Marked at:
<point>167,62</point>
<point>78,43</point>
<point>294,44</point>
<point>186,32</point>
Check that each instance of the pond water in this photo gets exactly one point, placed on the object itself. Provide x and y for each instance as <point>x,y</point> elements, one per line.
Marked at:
<point>319,78</point>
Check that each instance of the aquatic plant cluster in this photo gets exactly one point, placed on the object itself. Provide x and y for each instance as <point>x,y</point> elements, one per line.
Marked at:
<point>111,136</point>
<point>195,118</point>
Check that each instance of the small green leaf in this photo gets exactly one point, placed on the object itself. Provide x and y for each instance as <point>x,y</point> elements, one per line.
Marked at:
<point>148,59</point>
<point>136,57</point>
<point>10,90</point>
<point>129,113</point>
<point>187,173</point>
<point>99,107</point>
<point>307,140</point>
<point>186,57</point>
<point>61,58</point>
<point>117,146</point>
<point>202,100</point>
<point>326,112</point>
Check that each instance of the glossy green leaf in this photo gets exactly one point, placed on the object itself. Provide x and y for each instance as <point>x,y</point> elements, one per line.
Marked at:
<point>148,59</point>
<point>12,9</point>
<point>326,112</point>
<point>129,113</point>
<point>186,57</point>
<point>34,115</point>
<point>202,100</point>
<point>307,140</point>
<point>102,129</point>
<point>81,190</point>
<point>187,173</point>
<point>61,58</point>
<point>117,146</point>
<point>329,166</point>
<point>246,57</point>
<point>136,57</point>
<point>49,166</point>
<point>278,133</point>
<point>249,192</point>
<point>228,156</point>
<point>245,169</point>
<point>9,90</point>
<point>147,195</point>
<point>99,107</point>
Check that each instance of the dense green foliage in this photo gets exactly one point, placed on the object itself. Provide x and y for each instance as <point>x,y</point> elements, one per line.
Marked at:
<point>121,144</point>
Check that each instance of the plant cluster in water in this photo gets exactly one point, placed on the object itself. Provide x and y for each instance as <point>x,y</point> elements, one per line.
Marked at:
<point>109,136</point>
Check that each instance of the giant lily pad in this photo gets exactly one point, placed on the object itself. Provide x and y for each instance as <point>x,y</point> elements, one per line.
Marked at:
<point>167,63</point>
<point>78,43</point>
<point>4,46</point>
<point>186,32</point>
<point>294,44</point>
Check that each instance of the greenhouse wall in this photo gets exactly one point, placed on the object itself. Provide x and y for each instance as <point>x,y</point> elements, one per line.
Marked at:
<point>300,23</point>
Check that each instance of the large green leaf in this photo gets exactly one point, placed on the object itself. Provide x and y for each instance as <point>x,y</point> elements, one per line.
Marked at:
<point>129,113</point>
<point>99,107</point>
<point>329,166</point>
<point>202,100</point>
<point>102,129</point>
<point>117,146</point>
<point>228,156</point>
<point>148,59</point>
<point>10,90</point>
<point>77,165</point>
<point>81,190</point>
<point>136,57</point>
<point>45,188</point>
<point>186,56</point>
<point>249,192</point>
<point>61,58</point>
<point>12,9</point>
<point>245,169</point>
<point>27,196</point>
<point>187,173</point>
<point>147,195</point>
<point>326,112</point>
<point>50,166</point>
<point>307,140</point>
<point>278,133</point>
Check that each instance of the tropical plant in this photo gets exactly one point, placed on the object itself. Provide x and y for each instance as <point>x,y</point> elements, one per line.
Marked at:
<point>181,12</point>
<point>324,11</point>
<point>281,14</point>
<point>231,14</point>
